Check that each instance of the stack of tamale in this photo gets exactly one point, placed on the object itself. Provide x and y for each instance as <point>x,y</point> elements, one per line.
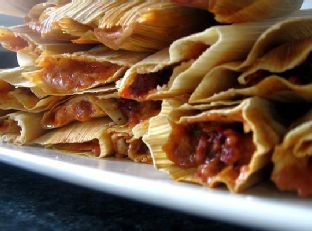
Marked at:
<point>198,88</point>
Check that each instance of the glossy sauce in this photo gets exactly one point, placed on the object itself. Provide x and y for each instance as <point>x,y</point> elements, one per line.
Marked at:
<point>66,76</point>
<point>137,112</point>
<point>209,147</point>
<point>295,176</point>
<point>79,111</point>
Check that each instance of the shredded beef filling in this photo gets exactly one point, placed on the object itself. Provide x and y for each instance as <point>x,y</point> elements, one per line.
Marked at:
<point>209,147</point>
<point>296,176</point>
<point>145,83</point>
<point>137,112</point>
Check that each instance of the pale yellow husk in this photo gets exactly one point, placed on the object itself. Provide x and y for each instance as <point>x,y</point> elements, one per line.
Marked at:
<point>20,98</point>
<point>204,51</point>
<point>255,114</point>
<point>250,10</point>
<point>23,127</point>
<point>140,25</point>
<point>291,40</point>
<point>80,133</point>
<point>295,150</point>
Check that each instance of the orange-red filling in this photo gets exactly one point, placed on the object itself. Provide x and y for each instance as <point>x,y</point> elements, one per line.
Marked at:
<point>209,147</point>
<point>146,83</point>
<point>65,76</point>
<point>137,112</point>
<point>296,176</point>
<point>15,43</point>
<point>74,111</point>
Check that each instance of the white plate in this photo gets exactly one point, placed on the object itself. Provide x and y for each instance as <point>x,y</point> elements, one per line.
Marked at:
<point>261,207</point>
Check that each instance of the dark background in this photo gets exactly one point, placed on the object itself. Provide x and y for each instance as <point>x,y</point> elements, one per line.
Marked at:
<point>29,201</point>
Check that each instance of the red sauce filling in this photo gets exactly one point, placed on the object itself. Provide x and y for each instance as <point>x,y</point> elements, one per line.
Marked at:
<point>209,147</point>
<point>299,75</point>
<point>9,126</point>
<point>15,43</point>
<point>145,83</point>
<point>137,112</point>
<point>92,146</point>
<point>65,76</point>
<point>80,111</point>
<point>296,176</point>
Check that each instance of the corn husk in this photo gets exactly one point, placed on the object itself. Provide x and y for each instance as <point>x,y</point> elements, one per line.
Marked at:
<point>113,64</point>
<point>192,57</point>
<point>291,158</point>
<point>79,133</point>
<point>15,93</point>
<point>135,25</point>
<point>291,40</point>
<point>245,10</point>
<point>29,45</point>
<point>20,127</point>
<point>256,116</point>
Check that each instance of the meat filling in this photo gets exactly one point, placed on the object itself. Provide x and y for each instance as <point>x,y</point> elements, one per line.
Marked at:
<point>209,147</point>
<point>137,112</point>
<point>68,76</point>
<point>67,113</point>
<point>146,83</point>
<point>8,126</point>
<point>299,75</point>
<point>92,146</point>
<point>296,176</point>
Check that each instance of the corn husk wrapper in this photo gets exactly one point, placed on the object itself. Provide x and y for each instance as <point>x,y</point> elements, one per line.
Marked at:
<point>29,45</point>
<point>291,159</point>
<point>20,127</point>
<point>82,108</point>
<point>228,11</point>
<point>15,93</point>
<point>255,114</point>
<point>67,138</point>
<point>130,25</point>
<point>291,40</point>
<point>81,71</point>
<point>192,57</point>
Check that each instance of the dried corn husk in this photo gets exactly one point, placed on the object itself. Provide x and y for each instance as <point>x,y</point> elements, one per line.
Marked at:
<point>20,127</point>
<point>244,10</point>
<point>282,47</point>
<point>15,93</point>
<point>256,116</point>
<point>131,25</point>
<point>78,134</point>
<point>291,159</point>
<point>191,58</point>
